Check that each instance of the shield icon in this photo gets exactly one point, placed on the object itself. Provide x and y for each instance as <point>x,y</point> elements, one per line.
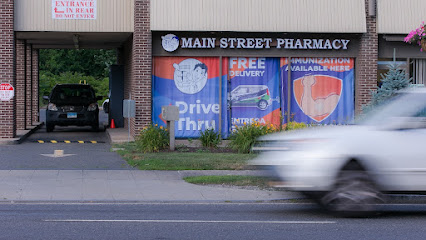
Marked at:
<point>317,95</point>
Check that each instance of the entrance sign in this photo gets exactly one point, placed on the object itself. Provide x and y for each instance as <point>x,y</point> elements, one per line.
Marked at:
<point>6,92</point>
<point>74,9</point>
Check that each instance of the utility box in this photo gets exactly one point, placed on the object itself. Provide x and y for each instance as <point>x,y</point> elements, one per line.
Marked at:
<point>170,113</point>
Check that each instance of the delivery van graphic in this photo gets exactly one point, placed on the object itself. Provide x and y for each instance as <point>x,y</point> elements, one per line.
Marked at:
<point>251,96</point>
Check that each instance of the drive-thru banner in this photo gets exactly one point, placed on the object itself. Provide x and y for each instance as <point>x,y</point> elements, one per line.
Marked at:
<point>192,84</point>
<point>254,92</point>
<point>322,90</point>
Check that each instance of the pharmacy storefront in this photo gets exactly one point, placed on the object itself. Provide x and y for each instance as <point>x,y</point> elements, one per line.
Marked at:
<point>222,80</point>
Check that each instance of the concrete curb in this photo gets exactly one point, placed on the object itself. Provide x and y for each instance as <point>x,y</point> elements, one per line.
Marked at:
<point>22,135</point>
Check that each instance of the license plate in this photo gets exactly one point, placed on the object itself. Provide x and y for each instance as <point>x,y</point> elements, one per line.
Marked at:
<point>71,115</point>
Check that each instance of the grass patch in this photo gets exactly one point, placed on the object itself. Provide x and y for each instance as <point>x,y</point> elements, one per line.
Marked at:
<point>231,180</point>
<point>202,160</point>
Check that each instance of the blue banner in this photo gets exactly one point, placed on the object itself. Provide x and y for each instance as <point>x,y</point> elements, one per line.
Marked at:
<point>322,90</point>
<point>254,95</point>
<point>192,84</point>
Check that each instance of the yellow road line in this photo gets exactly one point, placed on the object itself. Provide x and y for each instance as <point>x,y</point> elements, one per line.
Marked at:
<point>66,141</point>
<point>93,142</point>
<point>40,141</point>
<point>53,141</point>
<point>80,141</point>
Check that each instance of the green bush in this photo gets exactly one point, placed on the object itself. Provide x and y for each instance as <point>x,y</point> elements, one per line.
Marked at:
<point>210,138</point>
<point>244,137</point>
<point>294,125</point>
<point>152,139</point>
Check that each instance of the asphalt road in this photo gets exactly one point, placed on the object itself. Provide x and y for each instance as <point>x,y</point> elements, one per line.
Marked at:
<point>93,153</point>
<point>203,221</point>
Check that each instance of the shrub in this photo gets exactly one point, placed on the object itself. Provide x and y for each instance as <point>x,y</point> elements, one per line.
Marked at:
<point>210,138</point>
<point>294,125</point>
<point>152,139</point>
<point>244,137</point>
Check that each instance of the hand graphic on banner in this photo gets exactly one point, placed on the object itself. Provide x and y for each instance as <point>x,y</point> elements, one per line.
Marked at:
<point>316,107</point>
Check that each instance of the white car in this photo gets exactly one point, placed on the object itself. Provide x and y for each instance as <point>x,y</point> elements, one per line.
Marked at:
<point>105,105</point>
<point>350,169</point>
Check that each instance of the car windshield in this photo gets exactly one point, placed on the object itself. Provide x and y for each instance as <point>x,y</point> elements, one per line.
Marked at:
<point>73,94</point>
<point>403,105</point>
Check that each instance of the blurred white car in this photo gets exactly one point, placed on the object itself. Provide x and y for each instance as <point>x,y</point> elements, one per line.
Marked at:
<point>350,169</point>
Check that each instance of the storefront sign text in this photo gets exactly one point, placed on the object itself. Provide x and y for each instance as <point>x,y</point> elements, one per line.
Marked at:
<point>74,9</point>
<point>256,43</point>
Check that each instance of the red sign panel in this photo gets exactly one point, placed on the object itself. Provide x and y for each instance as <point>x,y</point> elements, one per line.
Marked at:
<point>6,92</point>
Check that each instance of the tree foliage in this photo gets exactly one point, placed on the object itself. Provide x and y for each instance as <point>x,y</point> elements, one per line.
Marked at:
<point>89,62</point>
<point>392,81</point>
<point>58,66</point>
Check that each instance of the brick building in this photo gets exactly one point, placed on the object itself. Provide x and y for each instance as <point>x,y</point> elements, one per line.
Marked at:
<point>201,55</point>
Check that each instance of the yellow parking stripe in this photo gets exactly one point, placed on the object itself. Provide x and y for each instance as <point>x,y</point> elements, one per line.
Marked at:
<point>68,141</point>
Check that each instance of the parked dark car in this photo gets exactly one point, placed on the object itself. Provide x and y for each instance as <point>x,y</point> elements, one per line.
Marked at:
<point>72,104</point>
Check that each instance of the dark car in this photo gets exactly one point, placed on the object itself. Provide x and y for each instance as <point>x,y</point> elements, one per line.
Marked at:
<point>72,104</point>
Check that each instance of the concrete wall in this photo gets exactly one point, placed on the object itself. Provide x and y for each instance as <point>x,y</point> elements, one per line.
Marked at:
<point>111,16</point>
<point>343,16</point>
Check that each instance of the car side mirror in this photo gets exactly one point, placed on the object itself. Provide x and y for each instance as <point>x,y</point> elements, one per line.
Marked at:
<point>46,98</point>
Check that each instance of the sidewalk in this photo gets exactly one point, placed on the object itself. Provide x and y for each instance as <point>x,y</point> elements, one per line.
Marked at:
<point>121,185</point>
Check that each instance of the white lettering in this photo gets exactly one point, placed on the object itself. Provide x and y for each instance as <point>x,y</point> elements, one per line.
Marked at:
<point>280,42</point>
<point>241,42</point>
<point>186,43</point>
<point>250,43</point>
<point>197,43</point>
<point>223,43</point>
<point>259,43</point>
<point>327,44</point>
<point>232,42</point>
<point>289,43</point>
<point>336,44</point>
<point>197,108</point>
<point>298,44</point>
<point>345,43</point>
<point>268,42</point>
<point>307,43</point>
<point>317,43</point>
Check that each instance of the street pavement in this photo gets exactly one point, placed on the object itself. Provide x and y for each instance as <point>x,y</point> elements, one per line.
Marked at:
<point>121,185</point>
<point>59,177</point>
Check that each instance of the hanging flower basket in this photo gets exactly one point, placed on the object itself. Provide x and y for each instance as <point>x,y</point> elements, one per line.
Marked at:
<point>418,36</point>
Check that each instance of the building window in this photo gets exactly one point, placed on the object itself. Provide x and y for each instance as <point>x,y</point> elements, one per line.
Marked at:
<point>418,71</point>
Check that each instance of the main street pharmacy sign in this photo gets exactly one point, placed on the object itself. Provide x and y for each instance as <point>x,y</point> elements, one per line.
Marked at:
<point>74,9</point>
<point>171,42</point>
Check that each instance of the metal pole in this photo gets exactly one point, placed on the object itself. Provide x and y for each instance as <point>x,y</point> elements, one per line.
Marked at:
<point>128,117</point>
<point>288,90</point>
<point>220,94</point>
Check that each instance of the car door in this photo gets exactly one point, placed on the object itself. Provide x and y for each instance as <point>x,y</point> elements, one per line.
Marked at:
<point>404,153</point>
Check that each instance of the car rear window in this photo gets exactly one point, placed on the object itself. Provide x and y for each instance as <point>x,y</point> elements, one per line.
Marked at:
<point>73,94</point>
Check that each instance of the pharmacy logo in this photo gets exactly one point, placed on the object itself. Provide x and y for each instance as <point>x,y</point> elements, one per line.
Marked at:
<point>170,42</point>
